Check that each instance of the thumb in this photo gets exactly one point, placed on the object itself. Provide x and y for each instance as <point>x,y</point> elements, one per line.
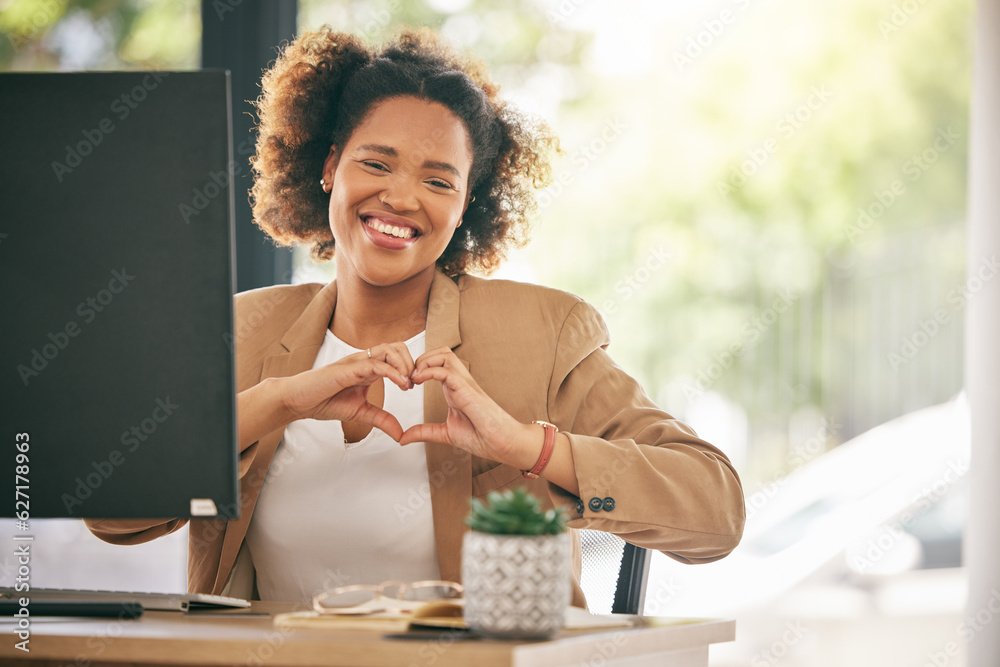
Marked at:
<point>380,419</point>
<point>426,433</point>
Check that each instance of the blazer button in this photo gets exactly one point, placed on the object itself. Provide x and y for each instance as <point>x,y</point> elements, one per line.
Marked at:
<point>609,504</point>
<point>579,507</point>
<point>596,504</point>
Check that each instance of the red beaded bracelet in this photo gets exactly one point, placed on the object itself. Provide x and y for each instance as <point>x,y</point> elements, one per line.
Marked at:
<point>547,447</point>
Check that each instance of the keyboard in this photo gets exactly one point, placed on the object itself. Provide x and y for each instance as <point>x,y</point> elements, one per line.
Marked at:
<point>149,601</point>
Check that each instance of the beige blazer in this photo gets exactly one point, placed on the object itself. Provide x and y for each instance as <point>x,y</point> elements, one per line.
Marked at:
<point>540,354</point>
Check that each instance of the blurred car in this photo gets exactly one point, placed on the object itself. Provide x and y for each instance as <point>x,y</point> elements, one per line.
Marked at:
<point>891,500</point>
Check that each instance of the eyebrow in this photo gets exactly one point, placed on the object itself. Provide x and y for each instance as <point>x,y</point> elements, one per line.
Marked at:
<point>389,151</point>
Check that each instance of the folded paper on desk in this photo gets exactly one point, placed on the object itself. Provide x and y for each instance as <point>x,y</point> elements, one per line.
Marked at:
<point>434,614</point>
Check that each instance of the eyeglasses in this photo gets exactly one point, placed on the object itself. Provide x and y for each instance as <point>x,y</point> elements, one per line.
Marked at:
<point>396,596</point>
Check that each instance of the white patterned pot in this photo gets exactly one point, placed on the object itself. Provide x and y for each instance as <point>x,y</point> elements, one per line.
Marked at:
<point>516,586</point>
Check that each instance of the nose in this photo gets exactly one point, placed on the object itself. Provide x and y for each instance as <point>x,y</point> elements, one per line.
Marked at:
<point>400,194</point>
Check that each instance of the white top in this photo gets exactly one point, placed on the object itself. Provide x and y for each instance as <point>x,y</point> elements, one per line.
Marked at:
<point>332,513</point>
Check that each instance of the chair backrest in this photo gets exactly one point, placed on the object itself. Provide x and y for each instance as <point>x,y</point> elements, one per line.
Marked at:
<point>614,573</point>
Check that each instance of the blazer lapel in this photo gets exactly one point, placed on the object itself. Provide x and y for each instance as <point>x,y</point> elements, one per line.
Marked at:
<point>300,343</point>
<point>449,468</point>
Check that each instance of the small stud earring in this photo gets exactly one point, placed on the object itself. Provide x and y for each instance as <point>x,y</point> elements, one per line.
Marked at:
<point>322,184</point>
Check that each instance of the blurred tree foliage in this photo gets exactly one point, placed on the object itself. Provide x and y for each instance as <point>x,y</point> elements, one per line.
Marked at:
<point>721,160</point>
<point>753,165</point>
<point>99,34</point>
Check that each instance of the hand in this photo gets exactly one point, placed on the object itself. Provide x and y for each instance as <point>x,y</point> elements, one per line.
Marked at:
<point>338,390</point>
<point>475,422</point>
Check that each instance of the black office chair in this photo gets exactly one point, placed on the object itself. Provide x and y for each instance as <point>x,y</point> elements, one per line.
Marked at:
<point>614,573</point>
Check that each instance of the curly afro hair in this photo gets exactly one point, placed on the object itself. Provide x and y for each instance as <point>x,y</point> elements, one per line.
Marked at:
<point>320,89</point>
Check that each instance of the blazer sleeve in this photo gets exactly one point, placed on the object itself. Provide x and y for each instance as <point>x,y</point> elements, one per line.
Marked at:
<point>138,531</point>
<point>132,531</point>
<point>251,311</point>
<point>669,490</point>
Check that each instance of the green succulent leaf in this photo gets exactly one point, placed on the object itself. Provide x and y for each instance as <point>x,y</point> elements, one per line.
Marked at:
<point>514,512</point>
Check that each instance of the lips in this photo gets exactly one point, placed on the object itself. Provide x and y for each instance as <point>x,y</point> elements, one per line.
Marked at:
<point>390,228</point>
<point>389,232</point>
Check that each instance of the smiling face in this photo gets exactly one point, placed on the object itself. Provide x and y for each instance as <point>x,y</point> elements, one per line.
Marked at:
<point>399,189</point>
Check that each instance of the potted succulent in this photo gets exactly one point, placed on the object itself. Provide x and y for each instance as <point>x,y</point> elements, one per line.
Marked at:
<point>515,566</point>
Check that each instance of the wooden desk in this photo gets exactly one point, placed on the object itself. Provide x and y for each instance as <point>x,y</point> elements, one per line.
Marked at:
<point>172,638</point>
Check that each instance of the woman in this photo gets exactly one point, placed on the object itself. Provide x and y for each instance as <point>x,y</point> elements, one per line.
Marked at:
<point>371,409</point>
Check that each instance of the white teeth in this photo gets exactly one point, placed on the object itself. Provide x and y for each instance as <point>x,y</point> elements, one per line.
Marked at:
<point>398,232</point>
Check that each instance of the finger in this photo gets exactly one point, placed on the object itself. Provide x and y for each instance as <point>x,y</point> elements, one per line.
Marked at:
<point>396,355</point>
<point>443,374</point>
<point>361,372</point>
<point>434,354</point>
<point>401,380</point>
<point>425,433</point>
<point>380,419</point>
<point>441,357</point>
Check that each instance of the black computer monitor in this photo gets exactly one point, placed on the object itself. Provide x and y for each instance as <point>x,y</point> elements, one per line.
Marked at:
<point>117,271</point>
